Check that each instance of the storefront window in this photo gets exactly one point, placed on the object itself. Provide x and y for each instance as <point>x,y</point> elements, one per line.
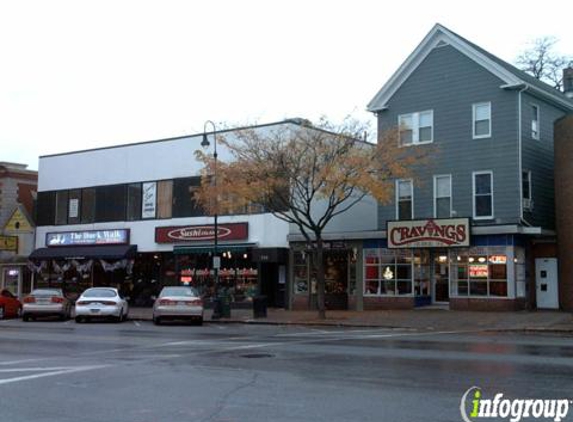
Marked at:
<point>388,272</point>
<point>479,272</point>
<point>300,273</point>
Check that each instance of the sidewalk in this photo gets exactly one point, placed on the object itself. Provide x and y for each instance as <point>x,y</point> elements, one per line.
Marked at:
<point>419,319</point>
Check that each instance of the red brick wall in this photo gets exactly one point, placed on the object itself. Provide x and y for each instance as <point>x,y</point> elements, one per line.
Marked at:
<point>300,303</point>
<point>374,303</point>
<point>473,304</point>
<point>25,197</point>
<point>564,208</point>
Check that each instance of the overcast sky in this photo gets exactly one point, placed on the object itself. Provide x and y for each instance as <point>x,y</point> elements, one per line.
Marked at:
<point>83,74</point>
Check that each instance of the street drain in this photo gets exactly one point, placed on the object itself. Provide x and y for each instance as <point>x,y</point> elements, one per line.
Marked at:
<point>257,355</point>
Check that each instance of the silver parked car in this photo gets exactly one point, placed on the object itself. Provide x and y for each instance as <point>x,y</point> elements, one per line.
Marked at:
<point>101,302</point>
<point>178,303</point>
<point>46,302</point>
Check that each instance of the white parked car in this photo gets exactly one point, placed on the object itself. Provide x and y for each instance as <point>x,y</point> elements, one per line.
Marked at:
<point>101,302</point>
<point>46,302</point>
<point>178,303</point>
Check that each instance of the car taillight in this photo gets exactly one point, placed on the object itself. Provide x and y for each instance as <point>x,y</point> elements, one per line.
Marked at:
<point>82,303</point>
<point>56,299</point>
<point>167,302</point>
<point>30,299</point>
<point>196,302</point>
<point>108,303</point>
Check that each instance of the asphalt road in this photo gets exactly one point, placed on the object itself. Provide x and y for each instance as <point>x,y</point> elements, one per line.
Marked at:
<point>137,372</point>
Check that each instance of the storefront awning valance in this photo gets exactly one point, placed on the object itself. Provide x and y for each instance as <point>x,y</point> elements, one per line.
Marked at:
<point>85,252</point>
<point>190,250</point>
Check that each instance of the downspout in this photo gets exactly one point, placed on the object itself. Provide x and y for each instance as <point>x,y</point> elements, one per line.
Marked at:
<point>520,155</point>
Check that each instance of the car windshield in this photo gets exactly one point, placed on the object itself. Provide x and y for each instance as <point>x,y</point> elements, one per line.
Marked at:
<point>99,293</point>
<point>46,292</point>
<point>179,291</point>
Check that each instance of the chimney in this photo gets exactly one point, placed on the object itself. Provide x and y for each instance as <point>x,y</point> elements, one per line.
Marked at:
<point>568,82</point>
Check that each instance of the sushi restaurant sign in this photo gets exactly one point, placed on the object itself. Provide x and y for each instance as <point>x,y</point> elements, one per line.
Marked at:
<point>432,233</point>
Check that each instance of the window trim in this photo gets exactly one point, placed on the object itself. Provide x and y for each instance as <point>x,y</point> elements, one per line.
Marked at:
<point>397,194</point>
<point>474,106</point>
<point>482,217</point>
<point>436,176</point>
<point>538,136</point>
<point>416,128</point>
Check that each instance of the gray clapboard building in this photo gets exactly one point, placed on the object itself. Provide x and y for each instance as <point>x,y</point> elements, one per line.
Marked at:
<point>475,227</point>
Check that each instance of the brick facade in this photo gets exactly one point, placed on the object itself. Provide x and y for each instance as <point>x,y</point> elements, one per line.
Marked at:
<point>564,208</point>
<point>473,304</point>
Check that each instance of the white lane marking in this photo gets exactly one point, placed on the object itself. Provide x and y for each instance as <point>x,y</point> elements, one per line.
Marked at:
<point>36,369</point>
<point>52,373</point>
<point>137,324</point>
<point>12,362</point>
<point>331,332</point>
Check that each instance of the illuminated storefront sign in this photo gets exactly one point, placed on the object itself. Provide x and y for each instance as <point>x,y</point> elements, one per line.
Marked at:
<point>478,271</point>
<point>175,234</point>
<point>432,233</point>
<point>89,237</point>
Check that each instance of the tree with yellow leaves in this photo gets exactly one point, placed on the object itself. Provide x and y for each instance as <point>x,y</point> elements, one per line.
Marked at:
<point>305,175</point>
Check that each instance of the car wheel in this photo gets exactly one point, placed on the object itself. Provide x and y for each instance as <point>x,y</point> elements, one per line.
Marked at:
<point>200,321</point>
<point>79,319</point>
<point>25,318</point>
<point>63,317</point>
<point>2,313</point>
<point>119,318</point>
<point>156,320</point>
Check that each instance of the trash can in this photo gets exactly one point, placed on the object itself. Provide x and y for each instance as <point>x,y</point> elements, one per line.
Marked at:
<point>217,308</point>
<point>225,306</point>
<point>259,307</point>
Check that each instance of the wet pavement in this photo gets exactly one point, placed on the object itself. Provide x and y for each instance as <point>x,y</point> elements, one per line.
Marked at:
<point>421,319</point>
<point>138,372</point>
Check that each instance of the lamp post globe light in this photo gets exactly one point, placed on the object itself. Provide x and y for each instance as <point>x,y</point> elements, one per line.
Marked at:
<point>216,261</point>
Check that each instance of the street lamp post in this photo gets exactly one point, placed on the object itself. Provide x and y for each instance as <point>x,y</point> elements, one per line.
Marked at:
<point>216,262</point>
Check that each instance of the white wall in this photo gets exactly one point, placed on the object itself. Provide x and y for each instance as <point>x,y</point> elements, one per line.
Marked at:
<point>264,230</point>
<point>155,160</point>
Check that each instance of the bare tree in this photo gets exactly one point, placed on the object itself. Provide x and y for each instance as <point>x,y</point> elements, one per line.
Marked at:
<point>542,62</point>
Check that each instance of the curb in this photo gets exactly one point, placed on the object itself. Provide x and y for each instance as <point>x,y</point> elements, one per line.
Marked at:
<point>546,330</point>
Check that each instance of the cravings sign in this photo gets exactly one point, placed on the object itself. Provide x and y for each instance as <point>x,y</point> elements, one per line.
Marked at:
<point>432,233</point>
<point>176,234</point>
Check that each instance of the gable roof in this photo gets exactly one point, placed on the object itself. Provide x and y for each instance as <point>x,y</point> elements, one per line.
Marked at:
<point>511,77</point>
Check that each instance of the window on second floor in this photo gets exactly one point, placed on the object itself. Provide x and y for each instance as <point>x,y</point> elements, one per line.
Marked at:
<point>481,120</point>
<point>534,121</point>
<point>483,194</point>
<point>442,196</point>
<point>416,128</point>
<point>404,200</point>
<point>526,189</point>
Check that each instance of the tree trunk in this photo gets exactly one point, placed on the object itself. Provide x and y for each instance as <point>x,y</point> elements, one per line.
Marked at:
<point>320,283</point>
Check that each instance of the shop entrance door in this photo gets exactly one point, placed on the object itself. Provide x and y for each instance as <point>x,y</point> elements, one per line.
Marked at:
<point>546,283</point>
<point>440,276</point>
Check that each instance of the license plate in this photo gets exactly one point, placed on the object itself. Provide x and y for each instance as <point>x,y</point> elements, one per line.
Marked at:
<point>94,310</point>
